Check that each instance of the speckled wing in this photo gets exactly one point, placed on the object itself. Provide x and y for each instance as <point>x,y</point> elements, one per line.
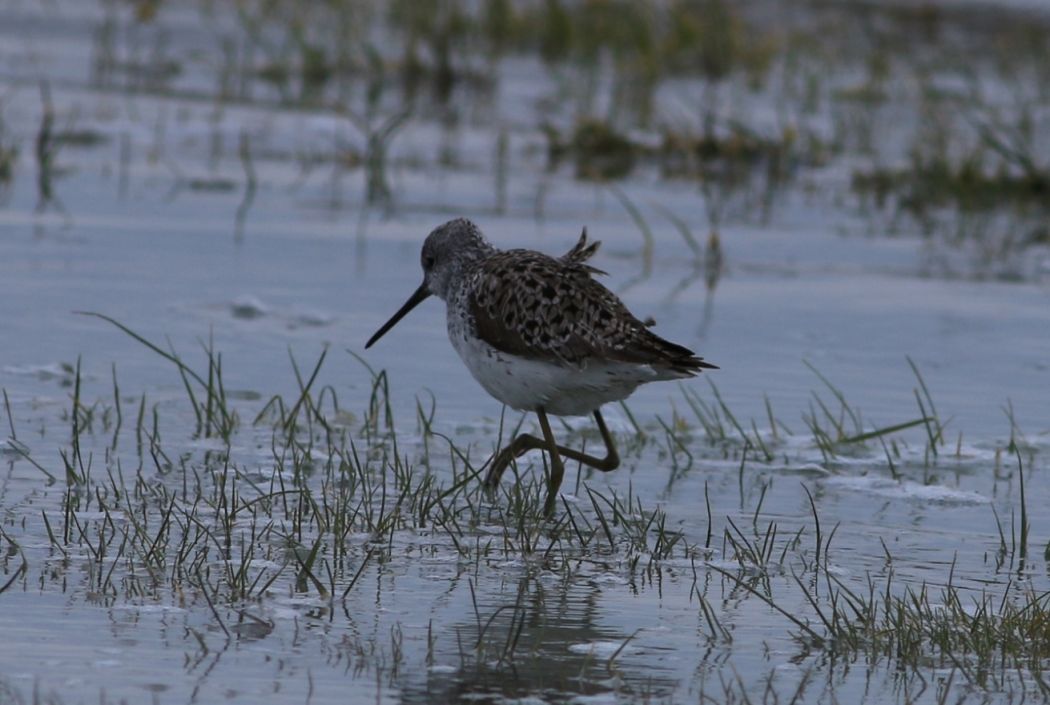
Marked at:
<point>532,305</point>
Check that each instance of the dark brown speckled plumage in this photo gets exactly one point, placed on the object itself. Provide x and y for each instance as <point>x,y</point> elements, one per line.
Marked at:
<point>530,304</point>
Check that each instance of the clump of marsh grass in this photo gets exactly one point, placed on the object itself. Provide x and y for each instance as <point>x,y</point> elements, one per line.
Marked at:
<point>974,180</point>
<point>598,150</point>
<point>982,635</point>
<point>213,414</point>
<point>837,426</point>
<point>233,532</point>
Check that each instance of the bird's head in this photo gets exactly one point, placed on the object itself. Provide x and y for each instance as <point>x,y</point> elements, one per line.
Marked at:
<point>447,251</point>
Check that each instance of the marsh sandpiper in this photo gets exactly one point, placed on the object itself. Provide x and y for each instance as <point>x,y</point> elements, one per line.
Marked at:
<point>541,334</point>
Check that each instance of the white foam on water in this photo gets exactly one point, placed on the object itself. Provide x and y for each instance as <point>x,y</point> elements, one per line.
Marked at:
<point>215,444</point>
<point>147,609</point>
<point>248,307</point>
<point>600,649</point>
<point>598,699</point>
<point>442,668</point>
<point>115,515</point>
<point>912,491</point>
<point>610,579</point>
<point>13,447</point>
<point>43,372</point>
<point>311,318</point>
<point>813,469</point>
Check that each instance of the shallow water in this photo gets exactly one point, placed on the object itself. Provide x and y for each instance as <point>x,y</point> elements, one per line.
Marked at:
<point>143,227</point>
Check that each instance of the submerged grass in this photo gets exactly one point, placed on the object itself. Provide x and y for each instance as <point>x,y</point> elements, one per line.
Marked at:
<point>343,494</point>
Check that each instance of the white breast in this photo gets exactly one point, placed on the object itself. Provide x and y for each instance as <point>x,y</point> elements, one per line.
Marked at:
<point>528,385</point>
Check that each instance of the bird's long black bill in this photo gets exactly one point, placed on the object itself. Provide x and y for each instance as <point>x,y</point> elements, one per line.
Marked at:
<point>414,300</point>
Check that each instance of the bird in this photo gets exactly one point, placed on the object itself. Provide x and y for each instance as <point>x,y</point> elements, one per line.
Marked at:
<point>541,334</point>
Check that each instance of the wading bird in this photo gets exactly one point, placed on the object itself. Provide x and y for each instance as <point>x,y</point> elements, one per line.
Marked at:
<point>540,334</point>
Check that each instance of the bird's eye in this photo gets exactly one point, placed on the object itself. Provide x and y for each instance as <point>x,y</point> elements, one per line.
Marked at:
<point>428,261</point>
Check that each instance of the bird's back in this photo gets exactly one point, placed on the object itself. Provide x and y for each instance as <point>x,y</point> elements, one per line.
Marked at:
<point>531,305</point>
